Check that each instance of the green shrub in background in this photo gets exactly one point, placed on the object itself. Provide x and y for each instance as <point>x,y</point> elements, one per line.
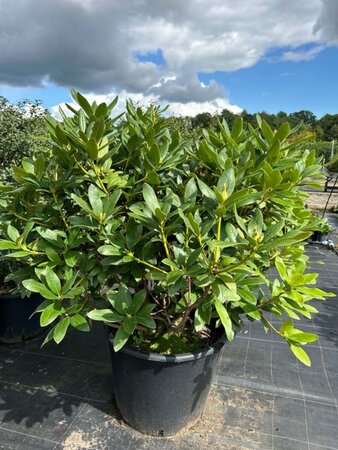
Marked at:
<point>323,149</point>
<point>23,130</point>
<point>176,238</point>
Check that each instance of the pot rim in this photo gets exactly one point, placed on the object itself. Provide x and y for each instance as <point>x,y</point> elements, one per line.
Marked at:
<point>178,358</point>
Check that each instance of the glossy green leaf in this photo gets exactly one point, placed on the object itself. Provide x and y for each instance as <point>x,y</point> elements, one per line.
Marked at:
<point>110,250</point>
<point>120,339</point>
<point>105,315</point>
<point>94,195</point>
<point>129,324</point>
<point>79,322</point>
<point>225,319</point>
<point>35,286</point>
<point>138,301</point>
<point>49,314</point>
<point>300,354</point>
<point>53,281</point>
<point>150,198</point>
<point>61,329</point>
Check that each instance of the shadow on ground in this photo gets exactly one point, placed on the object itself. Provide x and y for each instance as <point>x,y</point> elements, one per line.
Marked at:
<point>61,397</point>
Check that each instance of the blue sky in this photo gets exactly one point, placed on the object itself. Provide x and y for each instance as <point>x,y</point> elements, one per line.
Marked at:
<point>273,85</point>
<point>258,55</point>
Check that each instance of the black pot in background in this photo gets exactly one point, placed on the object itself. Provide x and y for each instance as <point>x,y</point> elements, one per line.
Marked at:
<point>318,236</point>
<point>15,322</point>
<point>158,394</point>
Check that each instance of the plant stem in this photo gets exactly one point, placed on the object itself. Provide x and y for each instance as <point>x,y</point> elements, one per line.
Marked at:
<point>193,306</point>
<point>61,212</point>
<point>272,327</point>
<point>219,229</point>
<point>147,264</point>
<point>99,179</point>
<point>165,242</point>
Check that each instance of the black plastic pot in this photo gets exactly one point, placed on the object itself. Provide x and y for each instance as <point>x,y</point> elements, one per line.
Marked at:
<point>15,323</point>
<point>318,236</point>
<point>160,395</point>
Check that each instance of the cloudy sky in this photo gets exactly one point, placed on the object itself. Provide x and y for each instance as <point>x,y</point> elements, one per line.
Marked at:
<point>197,55</point>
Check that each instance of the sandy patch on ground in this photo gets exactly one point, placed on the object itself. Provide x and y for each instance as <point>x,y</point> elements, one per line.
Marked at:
<point>317,200</point>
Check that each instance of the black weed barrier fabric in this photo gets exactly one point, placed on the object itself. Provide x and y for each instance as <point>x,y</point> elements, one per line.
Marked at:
<point>262,398</point>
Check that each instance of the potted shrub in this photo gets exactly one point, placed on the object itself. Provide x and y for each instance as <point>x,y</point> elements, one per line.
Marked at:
<point>322,234</point>
<point>17,320</point>
<point>168,243</point>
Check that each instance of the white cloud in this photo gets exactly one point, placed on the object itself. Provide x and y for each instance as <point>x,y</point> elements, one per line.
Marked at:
<point>327,24</point>
<point>176,108</point>
<point>302,55</point>
<point>91,44</point>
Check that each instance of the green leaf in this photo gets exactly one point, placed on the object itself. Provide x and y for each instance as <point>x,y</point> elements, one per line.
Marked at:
<point>101,110</point>
<point>71,258</point>
<point>52,255</point>
<point>226,183</point>
<point>113,103</point>
<point>105,315</point>
<point>94,195</point>
<point>247,295</point>
<point>109,203</point>
<point>237,128</point>
<point>303,338</point>
<point>273,230</point>
<point>280,266</point>
<point>282,132</point>
<point>124,295</point>
<point>206,191</point>
<point>35,286</point>
<point>174,276</point>
<point>148,322</point>
<point>150,198</point>
<point>92,148</point>
<point>82,121</point>
<point>267,132</point>
<point>120,339</point>
<point>133,233</point>
<point>300,354</point>
<point>190,191</point>
<point>110,250</point>
<point>129,324</point>
<point>8,245</point>
<point>225,319</point>
<point>138,301</point>
<point>202,317</point>
<point>61,329</point>
<point>83,102</point>
<point>84,205</point>
<point>49,314</point>
<point>286,327</point>
<point>13,233</point>
<point>160,216</point>
<point>74,292</point>
<point>153,178</point>
<point>121,300</point>
<point>79,322</point>
<point>53,281</point>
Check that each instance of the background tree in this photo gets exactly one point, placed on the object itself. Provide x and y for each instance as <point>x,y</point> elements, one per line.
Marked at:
<point>22,130</point>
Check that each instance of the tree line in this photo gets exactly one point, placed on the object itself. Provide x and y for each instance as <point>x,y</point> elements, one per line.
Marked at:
<point>323,129</point>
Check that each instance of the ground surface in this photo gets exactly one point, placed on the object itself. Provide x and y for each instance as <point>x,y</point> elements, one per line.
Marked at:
<point>61,397</point>
<point>317,200</point>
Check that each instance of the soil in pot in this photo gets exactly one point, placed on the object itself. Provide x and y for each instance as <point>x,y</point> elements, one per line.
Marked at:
<point>158,394</point>
<point>16,323</point>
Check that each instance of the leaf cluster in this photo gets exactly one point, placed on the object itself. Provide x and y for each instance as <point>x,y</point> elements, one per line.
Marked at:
<point>175,237</point>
